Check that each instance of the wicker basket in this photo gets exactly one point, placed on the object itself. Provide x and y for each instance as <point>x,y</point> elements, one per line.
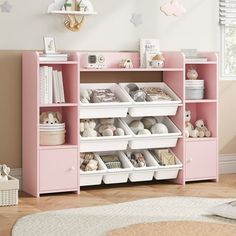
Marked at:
<point>9,192</point>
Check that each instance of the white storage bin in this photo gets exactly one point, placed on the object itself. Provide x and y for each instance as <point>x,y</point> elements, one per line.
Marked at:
<point>88,178</point>
<point>115,176</point>
<point>9,192</point>
<point>153,108</point>
<point>153,140</point>
<point>143,173</point>
<point>168,172</point>
<point>111,143</point>
<point>105,110</point>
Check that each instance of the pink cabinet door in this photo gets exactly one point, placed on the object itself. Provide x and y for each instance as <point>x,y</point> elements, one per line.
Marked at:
<point>58,170</point>
<point>201,160</point>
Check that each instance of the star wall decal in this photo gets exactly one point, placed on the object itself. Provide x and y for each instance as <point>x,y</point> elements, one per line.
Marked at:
<point>136,19</point>
<point>6,7</point>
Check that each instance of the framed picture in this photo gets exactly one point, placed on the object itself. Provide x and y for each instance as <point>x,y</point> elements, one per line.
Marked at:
<point>49,45</point>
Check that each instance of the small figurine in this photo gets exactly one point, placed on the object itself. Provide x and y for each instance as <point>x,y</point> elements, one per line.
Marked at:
<point>126,64</point>
<point>192,74</point>
<point>158,61</point>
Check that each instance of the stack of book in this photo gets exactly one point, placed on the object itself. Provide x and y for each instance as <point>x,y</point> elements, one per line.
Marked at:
<point>53,57</point>
<point>51,86</point>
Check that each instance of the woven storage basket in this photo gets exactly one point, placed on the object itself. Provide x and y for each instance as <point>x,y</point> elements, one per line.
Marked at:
<point>9,192</point>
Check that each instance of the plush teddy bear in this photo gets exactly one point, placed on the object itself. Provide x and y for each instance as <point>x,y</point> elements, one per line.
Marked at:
<point>202,129</point>
<point>50,118</point>
<point>4,172</point>
<point>107,128</point>
<point>87,128</point>
<point>189,129</point>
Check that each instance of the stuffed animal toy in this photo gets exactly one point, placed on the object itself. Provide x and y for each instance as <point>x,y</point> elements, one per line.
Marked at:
<point>50,118</point>
<point>4,172</point>
<point>85,95</point>
<point>192,74</point>
<point>107,128</point>
<point>189,129</point>
<point>202,129</point>
<point>87,128</point>
<point>88,162</point>
<point>159,128</point>
<point>126,63</point>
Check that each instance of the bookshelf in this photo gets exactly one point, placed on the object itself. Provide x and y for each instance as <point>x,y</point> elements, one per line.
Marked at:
<point>48,169</point>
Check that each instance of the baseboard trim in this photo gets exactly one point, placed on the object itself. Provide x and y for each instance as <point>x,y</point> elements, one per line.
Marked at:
<point>227,165</point>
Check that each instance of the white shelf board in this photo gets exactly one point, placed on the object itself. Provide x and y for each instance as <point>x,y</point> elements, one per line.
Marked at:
<point>73,13</point>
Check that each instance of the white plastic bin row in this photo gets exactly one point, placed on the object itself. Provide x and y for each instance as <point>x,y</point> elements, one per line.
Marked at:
<point>129,172</point>
<point>115,143</point>
<point>127,104</point>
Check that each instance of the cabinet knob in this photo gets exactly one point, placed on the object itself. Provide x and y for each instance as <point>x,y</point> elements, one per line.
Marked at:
<point>189,160</point>
<point>72,168</point>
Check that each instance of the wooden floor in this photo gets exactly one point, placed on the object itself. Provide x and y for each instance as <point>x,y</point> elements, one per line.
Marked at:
<point>90,196</point>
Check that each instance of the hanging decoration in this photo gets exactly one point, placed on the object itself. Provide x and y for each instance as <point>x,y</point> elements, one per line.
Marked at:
<point>6,7</point>
<point>136,19</point>
<point>173,8</point>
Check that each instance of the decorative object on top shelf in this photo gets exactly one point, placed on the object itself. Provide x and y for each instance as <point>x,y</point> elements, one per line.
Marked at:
<point>52,130</point>
<point>126,64</point>
<point>202,129</point>
<point>192,74</point>
<point>4,172</point>
<point>190,131</point>
<point>95,61</point>
<point>72,8</point>
<point>136,19</point>
<point>191,55</point>
<point>6,7</point>
<point>173,8</point>
<point>49,45</point>
<point>155,60</point>
<point>148,46</point>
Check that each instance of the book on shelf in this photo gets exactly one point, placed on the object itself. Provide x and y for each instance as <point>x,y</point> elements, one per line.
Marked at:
<point>148,46</point>
<point>59,57</point>
<point>51,86</point>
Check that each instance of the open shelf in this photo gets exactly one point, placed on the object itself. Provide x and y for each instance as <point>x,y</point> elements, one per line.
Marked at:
<point>208,73</point>
<point>70,117</point>
<point>207,112</point>
<point>70,83</point>
<point>59,105</point>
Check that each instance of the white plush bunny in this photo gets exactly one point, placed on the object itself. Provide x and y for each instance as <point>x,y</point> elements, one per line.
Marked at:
<point>4,172</point>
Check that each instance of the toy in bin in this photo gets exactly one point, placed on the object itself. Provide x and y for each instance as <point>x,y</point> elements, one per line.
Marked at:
<point>52,130</point>
<point>164,157</point>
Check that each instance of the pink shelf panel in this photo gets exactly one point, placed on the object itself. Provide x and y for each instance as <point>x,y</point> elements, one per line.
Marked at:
<point>201,101</point>
<point>132,70</point>
<point>58,63</point>
<point>64,146</point>
<point>59,105</point>
<point>199,139</point>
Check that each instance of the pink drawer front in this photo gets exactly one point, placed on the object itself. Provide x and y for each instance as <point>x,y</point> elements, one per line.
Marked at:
<point>58,170</point>
<point>201,160</point>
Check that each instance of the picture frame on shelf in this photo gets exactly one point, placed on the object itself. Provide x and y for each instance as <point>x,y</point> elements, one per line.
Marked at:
<point>148,45</point>
<point>49,45</point>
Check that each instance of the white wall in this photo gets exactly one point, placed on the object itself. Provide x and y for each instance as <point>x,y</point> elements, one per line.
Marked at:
<point>28,22</point>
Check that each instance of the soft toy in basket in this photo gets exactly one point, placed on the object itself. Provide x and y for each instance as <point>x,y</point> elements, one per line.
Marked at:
<point>52,130</point>
<point>9,187</point>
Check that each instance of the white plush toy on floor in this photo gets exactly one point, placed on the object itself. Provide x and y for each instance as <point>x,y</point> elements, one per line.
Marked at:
<point>189,129</point>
